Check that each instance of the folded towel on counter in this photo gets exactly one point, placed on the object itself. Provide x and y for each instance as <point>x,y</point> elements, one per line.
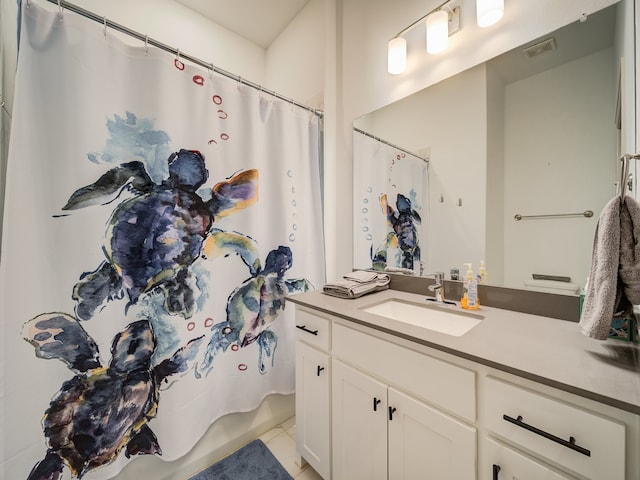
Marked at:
<point>406,271</point>
<point>357,284</point>
<point>362,276</point>
<point>614,277</point>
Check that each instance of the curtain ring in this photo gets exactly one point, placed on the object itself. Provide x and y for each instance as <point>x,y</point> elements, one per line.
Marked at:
<point>146,44</point>
<point>60,10</point>
<point>27,5</point>
<point>104,22</point>
<point>2,102</point>
<point>177,62</point>
<point>210,68</point>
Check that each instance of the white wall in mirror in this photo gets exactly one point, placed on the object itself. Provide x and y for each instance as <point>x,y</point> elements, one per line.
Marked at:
<point>559,158</point>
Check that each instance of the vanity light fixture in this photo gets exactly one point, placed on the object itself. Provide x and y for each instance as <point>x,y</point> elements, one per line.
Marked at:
<point>397,55</point>
<point>441,22</point>
<point>489,12</point>
<point>437,31</point>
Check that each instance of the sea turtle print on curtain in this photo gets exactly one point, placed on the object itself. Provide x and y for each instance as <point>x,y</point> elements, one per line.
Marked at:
<point>391,205</point>
<point>157,216</point>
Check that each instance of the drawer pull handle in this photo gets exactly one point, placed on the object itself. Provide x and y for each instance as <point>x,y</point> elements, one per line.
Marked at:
<point>305,329</point>
<point>392,410</point>
<point>569,444</point>
<point>496,470</point>
<point>319,370</point>
<point>376,402</point>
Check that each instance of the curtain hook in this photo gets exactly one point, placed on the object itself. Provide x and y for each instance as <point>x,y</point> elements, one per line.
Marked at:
<point>104,22</point>
<point>28,4</point>
<point>60,10</point>
<point>2,102</point>
<point>210,68</point>
<point>146,44</point>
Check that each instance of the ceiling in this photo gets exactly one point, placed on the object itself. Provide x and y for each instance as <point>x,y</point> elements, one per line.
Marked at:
<point>573,41</point>
<point>259,21</point>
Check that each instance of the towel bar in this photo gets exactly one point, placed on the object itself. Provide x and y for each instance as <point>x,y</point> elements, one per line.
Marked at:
<point>587,213</point>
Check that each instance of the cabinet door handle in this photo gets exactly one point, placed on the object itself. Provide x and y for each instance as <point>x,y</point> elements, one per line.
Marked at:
<point>376,402</point>
<point>392,410</point>
<point>305,329</point>
<point>319,370</point>
<point>496,470</point>
<point>569,444</point>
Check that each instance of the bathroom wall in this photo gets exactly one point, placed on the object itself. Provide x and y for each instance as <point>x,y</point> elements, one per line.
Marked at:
<point>293,66</point>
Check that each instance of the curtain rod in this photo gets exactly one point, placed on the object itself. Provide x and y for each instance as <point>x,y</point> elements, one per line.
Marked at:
<point>62,4</point>
<point>355,129</point>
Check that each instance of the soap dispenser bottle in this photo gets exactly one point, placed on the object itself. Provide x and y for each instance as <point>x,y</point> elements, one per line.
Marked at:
<point>469,299</point>
<point>482,274</point>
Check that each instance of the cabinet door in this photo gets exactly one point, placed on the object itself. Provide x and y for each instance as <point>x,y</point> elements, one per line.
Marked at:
<point>426,443</point>
<point>503,463</point>
<point>359,425</point>
<point>313,407</point>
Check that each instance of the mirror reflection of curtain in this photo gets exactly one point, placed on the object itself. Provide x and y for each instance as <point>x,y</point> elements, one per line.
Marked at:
<point>391,205</point>
<point>156,217</point>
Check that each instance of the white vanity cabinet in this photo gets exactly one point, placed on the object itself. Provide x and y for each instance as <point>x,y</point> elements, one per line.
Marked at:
<point>393,408</point>
<point>385,424</point>
<point>313,383</point>
<point>380,432</point>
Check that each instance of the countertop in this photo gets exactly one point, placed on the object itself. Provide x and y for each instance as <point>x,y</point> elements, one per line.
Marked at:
<point>546,350</point>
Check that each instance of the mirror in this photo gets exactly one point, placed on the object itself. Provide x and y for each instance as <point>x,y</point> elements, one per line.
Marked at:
<point>531,134</point>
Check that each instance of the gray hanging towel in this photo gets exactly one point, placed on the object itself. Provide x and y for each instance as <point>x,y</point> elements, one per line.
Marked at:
<point>614,277</point>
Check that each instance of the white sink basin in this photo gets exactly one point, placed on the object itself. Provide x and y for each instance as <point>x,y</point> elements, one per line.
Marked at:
<point>441,319</point>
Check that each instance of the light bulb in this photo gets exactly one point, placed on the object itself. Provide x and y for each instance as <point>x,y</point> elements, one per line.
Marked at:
<point>397,55</point>
<point>489,12</point>
<point>437,31</point>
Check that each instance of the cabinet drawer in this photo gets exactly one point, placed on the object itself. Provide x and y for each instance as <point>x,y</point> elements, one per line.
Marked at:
<point>313,328</point>
<point>571,437</point>
<point>447,386</point>
<point>503,462</point>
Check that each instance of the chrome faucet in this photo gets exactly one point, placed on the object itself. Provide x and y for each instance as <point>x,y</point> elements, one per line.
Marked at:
<point>438,288</point>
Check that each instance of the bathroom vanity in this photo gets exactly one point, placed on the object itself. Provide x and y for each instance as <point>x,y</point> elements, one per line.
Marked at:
<point>513,395</point>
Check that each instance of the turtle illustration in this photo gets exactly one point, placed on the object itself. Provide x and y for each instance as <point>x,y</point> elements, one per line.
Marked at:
<point>403,234</point>
<point>101,410</point>
<point>155,235</point>
<point>252,308</point>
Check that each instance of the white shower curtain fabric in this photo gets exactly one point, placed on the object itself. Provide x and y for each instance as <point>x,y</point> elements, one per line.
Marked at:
<point>156,217</point>
<point>391,206</point>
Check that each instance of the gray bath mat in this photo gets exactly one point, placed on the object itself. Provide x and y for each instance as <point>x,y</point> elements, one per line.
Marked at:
<point>252,462</point>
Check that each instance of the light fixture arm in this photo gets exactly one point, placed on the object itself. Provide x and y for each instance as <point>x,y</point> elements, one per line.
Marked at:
<point>407,29</point>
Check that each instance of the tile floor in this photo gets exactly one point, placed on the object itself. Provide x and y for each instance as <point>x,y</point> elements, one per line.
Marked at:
<point>281,441</point>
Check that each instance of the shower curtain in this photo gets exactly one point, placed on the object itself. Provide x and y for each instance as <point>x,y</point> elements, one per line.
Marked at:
<point>156,217</point>
<point>390,206</point>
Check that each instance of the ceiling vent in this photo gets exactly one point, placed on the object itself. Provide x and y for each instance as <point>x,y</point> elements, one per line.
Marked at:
<point>545,46</point>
